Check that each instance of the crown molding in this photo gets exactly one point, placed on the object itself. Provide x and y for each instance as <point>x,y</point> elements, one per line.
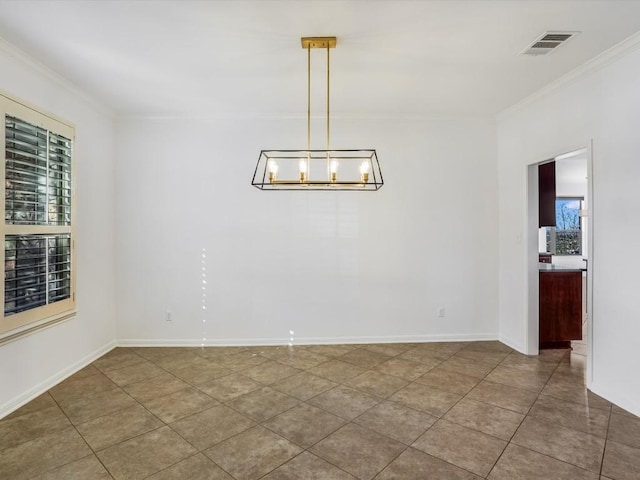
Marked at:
<point>412,117</point>
<point>620,50</point>
<point>21,56</point>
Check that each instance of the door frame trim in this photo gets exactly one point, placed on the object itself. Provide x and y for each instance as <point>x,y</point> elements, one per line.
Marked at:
<point>531,254</point>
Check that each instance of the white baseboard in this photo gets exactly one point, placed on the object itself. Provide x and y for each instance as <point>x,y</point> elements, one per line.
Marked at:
<point>620,398</point>
<point>509,342</point>
<point>42,387</point>
<point>239,342</point>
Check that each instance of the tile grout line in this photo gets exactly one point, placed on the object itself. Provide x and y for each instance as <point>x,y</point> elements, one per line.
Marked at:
<point>523,418</point>
<point>164,424</point>
<point>198,450</point>
<point>431,426</point>
<point>347,421</point>
<point>529,412</point>
<point>453,406</point>
<point>93,452</point>
<point>439,417</point>
<point>606,440</point>
<point>256,423</point>
<point>461,399</point>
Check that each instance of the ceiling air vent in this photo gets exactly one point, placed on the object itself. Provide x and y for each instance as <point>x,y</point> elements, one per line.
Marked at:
<point>548,42</point>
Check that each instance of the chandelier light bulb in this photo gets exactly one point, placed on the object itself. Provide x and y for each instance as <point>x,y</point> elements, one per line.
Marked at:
<point>273,171</point>
<point>364,172</point>
<point>302,166</point>
<point>333,170</point>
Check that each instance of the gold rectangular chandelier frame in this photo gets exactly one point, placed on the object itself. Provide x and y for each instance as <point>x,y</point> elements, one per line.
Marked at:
<point>328,169</point>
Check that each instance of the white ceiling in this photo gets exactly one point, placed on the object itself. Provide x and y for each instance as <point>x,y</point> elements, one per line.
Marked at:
<point>244,58</point>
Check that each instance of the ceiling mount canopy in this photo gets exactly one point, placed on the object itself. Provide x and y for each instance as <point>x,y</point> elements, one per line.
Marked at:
<point>328,169</point>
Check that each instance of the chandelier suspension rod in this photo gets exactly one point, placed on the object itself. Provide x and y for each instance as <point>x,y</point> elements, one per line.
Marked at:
<point>328,63</point>
<point>309,97</point>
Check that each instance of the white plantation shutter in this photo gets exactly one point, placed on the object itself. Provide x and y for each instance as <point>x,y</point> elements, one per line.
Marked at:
<point>38,227</point>
<point>37,271</point>
<point>37,175</point>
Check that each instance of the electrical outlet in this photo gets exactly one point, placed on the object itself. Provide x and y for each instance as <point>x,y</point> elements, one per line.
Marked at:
<point>169,316</point>
<point>440,312</point>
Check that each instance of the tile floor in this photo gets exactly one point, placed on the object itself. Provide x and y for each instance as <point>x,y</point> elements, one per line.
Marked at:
<point>332,412</point>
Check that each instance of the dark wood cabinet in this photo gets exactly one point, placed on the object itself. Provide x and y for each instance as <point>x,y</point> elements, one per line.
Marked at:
<point>547,194</point>
<point>544,257</point>
<point>560,308</point>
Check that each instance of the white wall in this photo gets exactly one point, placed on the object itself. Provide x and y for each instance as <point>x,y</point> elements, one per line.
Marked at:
<point>603,105</point>
<point>32,364</point>
<point>328,266</point>
<point>576,189</point>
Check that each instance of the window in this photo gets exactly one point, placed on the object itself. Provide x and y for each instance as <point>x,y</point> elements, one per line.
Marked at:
<point>39,281</point>
<point>566,237</point>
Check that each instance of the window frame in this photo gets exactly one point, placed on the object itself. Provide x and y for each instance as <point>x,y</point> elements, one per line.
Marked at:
<point>27,321</point>
<point>553,238</point>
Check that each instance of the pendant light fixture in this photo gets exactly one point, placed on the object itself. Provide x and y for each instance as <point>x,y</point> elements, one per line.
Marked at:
<point>329,169</point>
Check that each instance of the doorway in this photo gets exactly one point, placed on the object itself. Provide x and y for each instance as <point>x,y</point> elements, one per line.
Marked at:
<point>565,248</point>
